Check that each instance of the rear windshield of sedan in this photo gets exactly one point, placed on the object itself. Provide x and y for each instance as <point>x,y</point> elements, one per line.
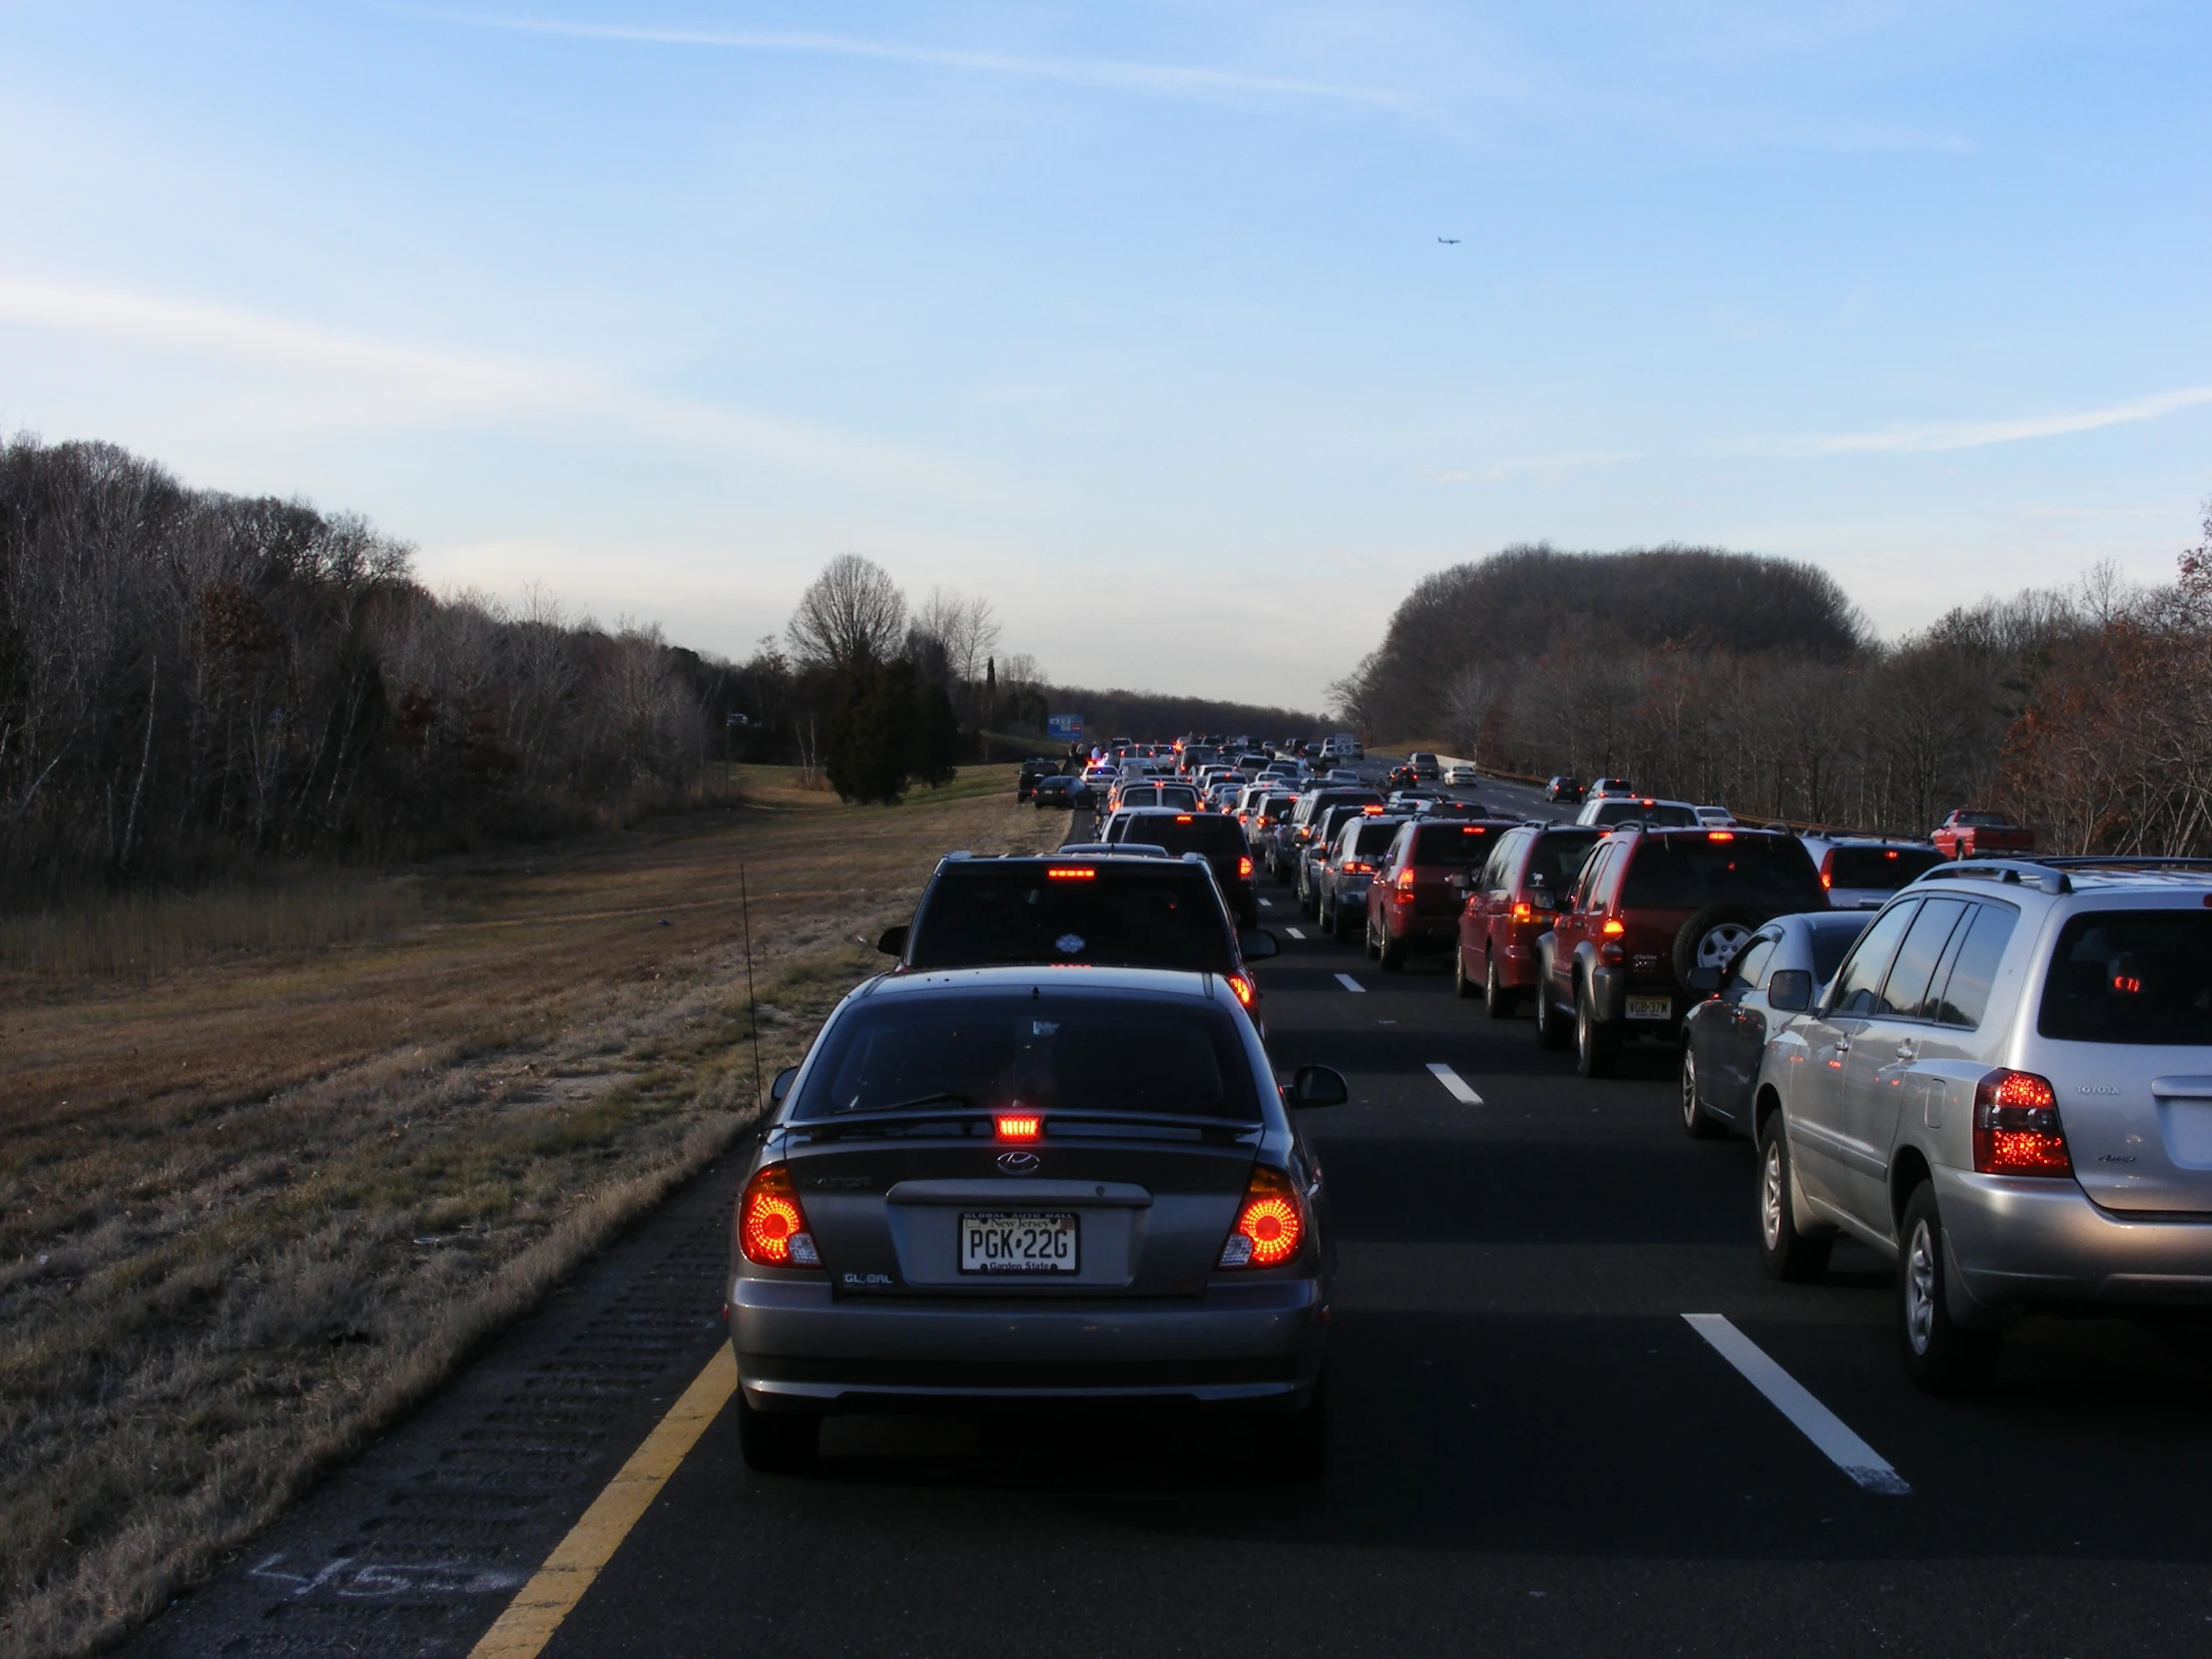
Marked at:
<point>2131,976</point>
<point>1884,867</point>
<point>1053,1051</point>
<point>1659,815</point>
<point>1449,843</point>
<point>1110,915</point>
<point>1209,833</point>
<point>1688,873</point>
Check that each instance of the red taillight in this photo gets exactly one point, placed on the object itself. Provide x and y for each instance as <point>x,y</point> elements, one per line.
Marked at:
<point>1243,866</point>
<point>1182,817</point>
<point>1271,1225</point>
<point>1524,912</point>
<point>1614,927</point>
<point>2015,1126</point>
<point>1066,874</point>
<point>1828,868</point>
<point>772,1228</point>
<point>1406,880</point>
<point>1018,1126</point>
<point>1241,983</point>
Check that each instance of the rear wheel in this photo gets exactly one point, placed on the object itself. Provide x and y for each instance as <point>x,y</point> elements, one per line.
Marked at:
<point>1551,1031</point>
<point>1597,1045</point>
<point>1368,940</point>
<point>1498,1002</point>
<point>1941,1356</point>
<point>1391,956</point>
<point>1697,1122</point>
<point>1462,985</point>
<point>777,1443</point>
<point>1783,1252</point>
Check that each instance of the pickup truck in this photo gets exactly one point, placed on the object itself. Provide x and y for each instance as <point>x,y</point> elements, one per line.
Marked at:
<point>1973,834</point>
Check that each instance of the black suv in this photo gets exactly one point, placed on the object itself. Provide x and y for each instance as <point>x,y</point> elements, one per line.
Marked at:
<point>1215,837</point>
<point>1034,767</point>
<point>1089,910</point>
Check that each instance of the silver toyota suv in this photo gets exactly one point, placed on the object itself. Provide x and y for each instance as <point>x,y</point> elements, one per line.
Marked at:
<point>2009,1086</point>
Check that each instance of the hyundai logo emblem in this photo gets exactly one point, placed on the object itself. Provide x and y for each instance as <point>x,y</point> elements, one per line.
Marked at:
<point>1019,1162</point>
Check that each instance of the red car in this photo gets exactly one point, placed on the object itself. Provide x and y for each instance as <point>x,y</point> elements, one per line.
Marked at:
<point>1510,904</point>
<point>1971,835</point>
<point>1654,918</point>
<point>1412,903</point>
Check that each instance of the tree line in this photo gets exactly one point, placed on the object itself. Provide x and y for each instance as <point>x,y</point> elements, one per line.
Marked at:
<point>1717,677</point>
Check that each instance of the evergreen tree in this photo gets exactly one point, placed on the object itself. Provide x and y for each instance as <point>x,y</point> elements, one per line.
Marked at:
<point>936,735</point>
<point>870,746</point>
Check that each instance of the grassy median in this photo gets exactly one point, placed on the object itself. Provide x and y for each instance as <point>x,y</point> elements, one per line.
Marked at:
<point>264,1179</point>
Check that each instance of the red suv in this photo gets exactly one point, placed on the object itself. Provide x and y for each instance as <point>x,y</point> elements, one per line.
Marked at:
<point>1654,916</point>
<point>1411,905</point>
<point>1510,902</point>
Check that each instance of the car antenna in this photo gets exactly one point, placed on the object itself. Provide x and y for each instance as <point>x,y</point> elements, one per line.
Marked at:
<point>751,1008</point>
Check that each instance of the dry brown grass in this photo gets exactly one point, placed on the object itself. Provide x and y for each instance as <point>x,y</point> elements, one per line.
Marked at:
<point>250,1210</point>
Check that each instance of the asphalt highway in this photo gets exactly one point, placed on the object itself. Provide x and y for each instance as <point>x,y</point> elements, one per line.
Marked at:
<point>1543,1440</point>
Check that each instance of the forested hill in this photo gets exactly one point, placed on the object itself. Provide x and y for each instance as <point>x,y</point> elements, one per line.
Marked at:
<point>1529,602</point>
<point>1157,715</point>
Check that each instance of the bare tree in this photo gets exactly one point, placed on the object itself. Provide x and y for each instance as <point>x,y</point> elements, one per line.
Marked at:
<point>852,614</point>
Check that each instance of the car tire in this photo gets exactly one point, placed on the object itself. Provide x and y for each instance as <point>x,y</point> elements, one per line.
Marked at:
<point>1711,938</point>
<point>1325,914</point>
<point>1941,1356</point>
<point>1368,940</point>
<point>1298,1449</point>
<point>777,1443</point>
<point>1786,1253</point>
<point>1597,1045</point>
<point>1697,1122</point>
<point>1392,957</point>
<point>1552,1032</point>
<point>1498,1002</point>
<point>1462,985</point>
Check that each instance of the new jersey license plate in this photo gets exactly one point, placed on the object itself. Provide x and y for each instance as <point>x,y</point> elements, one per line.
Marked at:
<point>1018,1242</point>
<point>1650,1007</point>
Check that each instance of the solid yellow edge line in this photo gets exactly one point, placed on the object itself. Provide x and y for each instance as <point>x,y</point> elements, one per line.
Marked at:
<point>538,1608</point>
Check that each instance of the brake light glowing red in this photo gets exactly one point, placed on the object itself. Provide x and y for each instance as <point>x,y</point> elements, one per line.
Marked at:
<point>1063,872</point>
<point>772,1228</point>
<point>2015,1126</point>
<point>1271,1225</point>
<point>1892,854</point>
<point>1371,810</point>
<point>1243,866</point>
<point>1720,835</point>
<point>1018,1126</point>
<point>1524,912</point>
<point>1182,817</point>
<point>1614,927</point>
<point>1241,983</point>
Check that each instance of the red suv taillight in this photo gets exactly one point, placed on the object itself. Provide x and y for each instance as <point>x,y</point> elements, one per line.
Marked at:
<point>1243,866</point>
<point>1405,885</point>
<point>1241,985</point>
<point>772,1228</point>
<point>2015,1126</point>
<point>1828,870</point>
<point>1271,1224</point>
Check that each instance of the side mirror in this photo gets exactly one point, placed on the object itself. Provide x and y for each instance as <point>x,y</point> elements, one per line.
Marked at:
<point>782,1084</point>
<point>894,940</point>
<point>1257,944</point>
<point>1706,979</point>
<point>1789,992</point>
<point>1319,1086</point>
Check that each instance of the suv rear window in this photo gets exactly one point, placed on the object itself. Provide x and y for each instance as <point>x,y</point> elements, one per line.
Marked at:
<point>1206,833</point>
<point>1054,1050</point>
<point>1157,915</point>
<point>1449,843</point>
<point>1370,837</point>
<point>2131,976</point>
<point>1659,817</point>
<point>1688,873</point>
<point>1559,857</point>
<point>1886,868</point>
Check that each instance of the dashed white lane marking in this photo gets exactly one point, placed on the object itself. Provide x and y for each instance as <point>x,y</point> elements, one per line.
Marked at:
<point>1267,903</point>
<point>1349,983</point>
<point>1454,1084</point>
<point>1295,932</point>
<point>1794,1401</point>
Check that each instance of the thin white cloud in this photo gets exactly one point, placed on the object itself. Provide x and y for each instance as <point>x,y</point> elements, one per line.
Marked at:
<point>1978,434</point>
<point>361,380</point>
<point>1170,79</point>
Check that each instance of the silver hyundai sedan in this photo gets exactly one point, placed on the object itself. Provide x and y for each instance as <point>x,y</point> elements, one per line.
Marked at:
<point>999,1188</point>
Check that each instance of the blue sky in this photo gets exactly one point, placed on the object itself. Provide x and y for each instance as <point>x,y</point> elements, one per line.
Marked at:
<point>1133,318</point>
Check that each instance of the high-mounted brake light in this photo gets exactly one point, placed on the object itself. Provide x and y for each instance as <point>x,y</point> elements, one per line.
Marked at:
<point>1474,830</point>
<point>2015,1126</point>
<point>1371,810</point>
<point>1720,835</point>
<point>1065,872</point>
<point>1182,817</point>
<point>772,1228</point>
<point>1892,854</point>
<point>1018,1126</point>
<point>1241,985</point>
<point>1271,1224</point>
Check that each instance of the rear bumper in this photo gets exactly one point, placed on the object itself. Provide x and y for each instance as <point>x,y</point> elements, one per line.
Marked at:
<point>798,1348</point>
<point>2016,1241</point>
